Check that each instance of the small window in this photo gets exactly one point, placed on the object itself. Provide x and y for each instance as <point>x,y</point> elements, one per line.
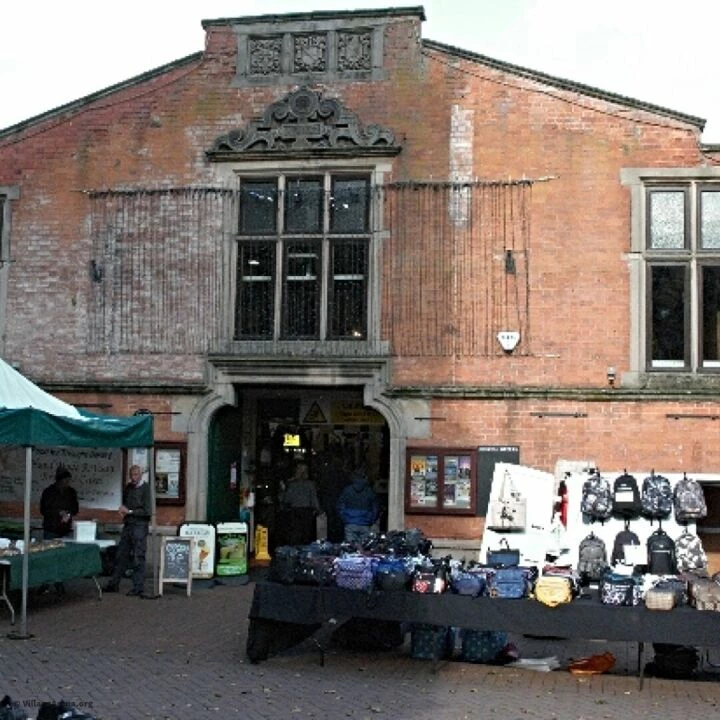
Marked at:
<point>668,219</point>
<point>441,481</point>
<point>349,204</point>
<point>258,207</point>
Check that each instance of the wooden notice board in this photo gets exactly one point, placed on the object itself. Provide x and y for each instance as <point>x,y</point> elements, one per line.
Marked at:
<point>175,561</point>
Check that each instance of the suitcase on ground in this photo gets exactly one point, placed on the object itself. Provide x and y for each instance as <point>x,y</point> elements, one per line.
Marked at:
<point>431,642</point>
<point>481,646</point>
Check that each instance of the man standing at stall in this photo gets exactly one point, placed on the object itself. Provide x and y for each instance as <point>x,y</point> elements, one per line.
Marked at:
<point>136,512</point>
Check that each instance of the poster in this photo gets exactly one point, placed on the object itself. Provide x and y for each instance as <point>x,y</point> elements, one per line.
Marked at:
<point>232,540</point>
<point>424,480</point>
<point>203,556</point>
<point>167,473</point>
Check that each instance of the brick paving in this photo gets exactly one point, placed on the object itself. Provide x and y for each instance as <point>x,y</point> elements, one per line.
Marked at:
<point>175,657</point>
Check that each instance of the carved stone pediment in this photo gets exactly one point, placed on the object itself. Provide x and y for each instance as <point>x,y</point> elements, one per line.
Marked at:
<point>304,124</point>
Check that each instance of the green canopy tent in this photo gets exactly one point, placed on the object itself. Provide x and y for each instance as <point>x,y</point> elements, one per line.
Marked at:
<point>30,417</point>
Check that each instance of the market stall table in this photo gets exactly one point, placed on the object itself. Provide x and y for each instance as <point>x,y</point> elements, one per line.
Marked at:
<point>76,560</point>
<point>283,615</point>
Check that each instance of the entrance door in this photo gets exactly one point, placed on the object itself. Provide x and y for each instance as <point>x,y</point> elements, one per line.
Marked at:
<point>224,448</point>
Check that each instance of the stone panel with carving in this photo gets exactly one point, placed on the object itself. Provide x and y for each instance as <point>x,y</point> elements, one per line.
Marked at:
<point>354,51</point>
<point>310,53</point>
<point>265,55</point>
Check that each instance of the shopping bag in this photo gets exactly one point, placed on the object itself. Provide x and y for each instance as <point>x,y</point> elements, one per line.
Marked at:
<point>509,511</point>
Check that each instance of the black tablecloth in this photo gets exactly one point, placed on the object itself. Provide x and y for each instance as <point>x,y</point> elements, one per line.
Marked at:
<point>296,610</point>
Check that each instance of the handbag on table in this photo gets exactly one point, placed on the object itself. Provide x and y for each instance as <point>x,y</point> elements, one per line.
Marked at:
<point>553,590</point>
<point>509,511</point>
<point>504,556</point>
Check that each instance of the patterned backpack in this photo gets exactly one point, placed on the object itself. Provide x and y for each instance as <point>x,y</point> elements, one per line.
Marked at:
<point>597,498</point>
<point>689,553</point>
<point>592,557</point>
<point>689,500</point>
<point>657,497</point>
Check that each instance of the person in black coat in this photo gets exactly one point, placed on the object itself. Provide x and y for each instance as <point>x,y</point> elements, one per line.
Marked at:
<point>58,505</point>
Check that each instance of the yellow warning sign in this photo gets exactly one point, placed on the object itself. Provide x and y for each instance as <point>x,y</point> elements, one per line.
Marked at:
<point>348,413</point>
<point>315,415</point>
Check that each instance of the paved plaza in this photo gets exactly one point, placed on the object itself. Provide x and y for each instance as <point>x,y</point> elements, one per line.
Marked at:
<point>181,658</point>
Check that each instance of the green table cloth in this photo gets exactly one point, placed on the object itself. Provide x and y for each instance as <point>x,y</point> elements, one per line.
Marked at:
<point>51,566</point>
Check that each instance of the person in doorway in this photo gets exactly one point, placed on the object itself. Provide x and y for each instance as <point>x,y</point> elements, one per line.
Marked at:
<point>136,512</point>
<point>333,478</point>
<point>358,508</point>
<point>58,505</point>
<point>300,501</point>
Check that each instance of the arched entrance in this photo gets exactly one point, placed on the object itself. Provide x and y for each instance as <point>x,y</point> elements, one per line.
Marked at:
<point>224,450</point>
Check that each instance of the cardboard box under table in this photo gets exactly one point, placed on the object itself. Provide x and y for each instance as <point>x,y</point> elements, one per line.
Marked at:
<point>76,560</point>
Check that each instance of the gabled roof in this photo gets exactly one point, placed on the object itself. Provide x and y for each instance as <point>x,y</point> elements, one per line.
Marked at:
<point>557,82</point>
<point>563,84</point>
<point>100,94</point>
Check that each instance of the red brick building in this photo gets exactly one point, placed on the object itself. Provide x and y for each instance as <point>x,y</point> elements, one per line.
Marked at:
<point>327,232</point>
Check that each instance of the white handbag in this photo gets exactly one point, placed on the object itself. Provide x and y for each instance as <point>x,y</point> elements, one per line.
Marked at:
<point>509,511</point>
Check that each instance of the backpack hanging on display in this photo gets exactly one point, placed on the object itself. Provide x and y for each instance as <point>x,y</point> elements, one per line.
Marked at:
<point>626,497</point>
<point>596,501</point>
<point>592,558</point>
<point>661,554</point>
<point>689,553</point>
<point>656,498</point>
<point>689,500</point>
<point>623,538</point>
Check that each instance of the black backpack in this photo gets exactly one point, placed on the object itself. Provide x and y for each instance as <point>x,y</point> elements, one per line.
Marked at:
<point>626,497</point>
<point>661,554</point>
<point>623,538</point>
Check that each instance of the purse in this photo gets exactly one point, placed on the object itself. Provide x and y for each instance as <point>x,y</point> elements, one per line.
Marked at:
<point>553,590</point>
<point>509,511</point>
<point>504,556</point>
<point>510,583</point>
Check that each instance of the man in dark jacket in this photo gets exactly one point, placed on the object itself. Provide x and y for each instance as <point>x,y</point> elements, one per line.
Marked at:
<point>358,508</point>
<point>58,505</point>
<point>136,512</point>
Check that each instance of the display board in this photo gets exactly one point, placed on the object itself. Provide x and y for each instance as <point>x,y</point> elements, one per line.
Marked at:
<point>96,474</point>
<point>232,538</point>
<point>579,526</point>
<point>488,457</point>
<point>538,488</point>
<point>545,535</point>
<point>175,561</point>
<point>203,557</point>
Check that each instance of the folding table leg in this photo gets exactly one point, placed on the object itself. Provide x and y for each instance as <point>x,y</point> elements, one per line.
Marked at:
<point>641,665</point>
<point>5,571</point>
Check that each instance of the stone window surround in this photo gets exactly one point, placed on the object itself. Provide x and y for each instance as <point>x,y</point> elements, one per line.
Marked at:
<point>308,27</point>
<point>637,180</point>
<point>229,174</point>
